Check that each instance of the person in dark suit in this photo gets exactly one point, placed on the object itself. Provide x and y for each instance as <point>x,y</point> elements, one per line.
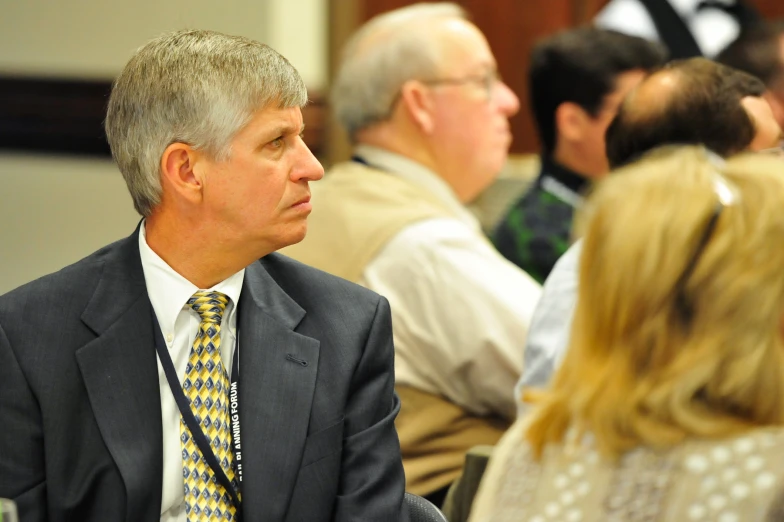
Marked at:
<point>120,389</point>
<point>688,28</point>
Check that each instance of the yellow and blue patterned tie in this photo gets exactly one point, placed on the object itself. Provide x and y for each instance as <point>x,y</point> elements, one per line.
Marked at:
<point>206,387</point>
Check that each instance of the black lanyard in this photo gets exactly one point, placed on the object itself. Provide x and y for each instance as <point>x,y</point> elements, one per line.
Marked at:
<point>187,415</point>
<point>360,160</point>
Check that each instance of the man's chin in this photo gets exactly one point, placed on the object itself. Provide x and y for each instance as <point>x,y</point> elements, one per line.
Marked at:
<point>294,235</point>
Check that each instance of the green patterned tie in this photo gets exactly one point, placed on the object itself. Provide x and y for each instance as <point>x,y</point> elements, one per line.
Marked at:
<point>206,387</point>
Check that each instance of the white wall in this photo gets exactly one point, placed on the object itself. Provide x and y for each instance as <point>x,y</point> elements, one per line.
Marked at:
<point>89,38</point>
<point>300,33</point>
<point>55,210</point>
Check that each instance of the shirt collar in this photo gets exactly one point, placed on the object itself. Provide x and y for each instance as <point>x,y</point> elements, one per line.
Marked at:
<point>567,177</point>
<point>416,173</point>
<point>169,291</point>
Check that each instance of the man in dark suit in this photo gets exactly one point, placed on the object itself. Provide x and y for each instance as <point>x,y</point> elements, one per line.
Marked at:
<point>120,389</point>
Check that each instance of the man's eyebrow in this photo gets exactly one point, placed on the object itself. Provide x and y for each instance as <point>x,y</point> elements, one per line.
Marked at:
<point>284,129</point>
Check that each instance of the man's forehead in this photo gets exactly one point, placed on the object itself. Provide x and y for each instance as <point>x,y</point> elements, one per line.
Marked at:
<point>278,119</point>
<point>463,46</point>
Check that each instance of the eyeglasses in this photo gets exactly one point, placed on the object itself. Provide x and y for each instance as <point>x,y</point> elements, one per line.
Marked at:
<point>487,81</point>
<point>726,196</point>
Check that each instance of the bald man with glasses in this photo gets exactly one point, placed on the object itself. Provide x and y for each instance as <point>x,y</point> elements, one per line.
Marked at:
<point>419,94</point>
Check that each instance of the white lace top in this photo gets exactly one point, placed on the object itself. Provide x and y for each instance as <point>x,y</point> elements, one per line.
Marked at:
<point>732,480</point>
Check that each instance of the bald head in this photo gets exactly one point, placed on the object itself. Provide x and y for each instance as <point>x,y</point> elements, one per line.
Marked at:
<point>697,102</point>
<point>653,96</point>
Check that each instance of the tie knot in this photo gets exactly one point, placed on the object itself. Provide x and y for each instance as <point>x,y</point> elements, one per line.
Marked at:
<point>209,305</point>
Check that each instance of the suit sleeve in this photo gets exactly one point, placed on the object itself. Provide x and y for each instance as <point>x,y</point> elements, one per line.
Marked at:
<point>372,483</point>
<point>22,472</point>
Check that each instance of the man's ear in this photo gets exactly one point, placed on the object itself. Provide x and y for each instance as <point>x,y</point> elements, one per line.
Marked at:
<point>180,171</point>
<point>416,101</point>
<point>570,121</point>
<point>767,133</point>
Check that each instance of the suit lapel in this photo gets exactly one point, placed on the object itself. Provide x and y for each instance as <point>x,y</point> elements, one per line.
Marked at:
<point>120,373</point>
<point>277,381</point>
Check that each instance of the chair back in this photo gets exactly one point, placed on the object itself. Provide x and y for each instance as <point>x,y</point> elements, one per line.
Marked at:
<point>422,510</point>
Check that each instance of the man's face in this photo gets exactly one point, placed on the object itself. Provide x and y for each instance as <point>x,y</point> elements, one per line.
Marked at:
<point>259,197</point>
<point>593,154</point>
<point>768,132</point>
<point>471,137</point>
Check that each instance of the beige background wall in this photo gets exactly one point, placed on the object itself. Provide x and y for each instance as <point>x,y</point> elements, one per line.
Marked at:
<point>55,210</point>
<point>86,38</point>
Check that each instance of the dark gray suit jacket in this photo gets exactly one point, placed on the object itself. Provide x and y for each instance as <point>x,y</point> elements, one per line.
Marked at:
<point>80,409</point>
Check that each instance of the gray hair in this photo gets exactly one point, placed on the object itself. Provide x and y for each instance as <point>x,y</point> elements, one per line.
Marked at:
<point>380,57</point>
<point>194,87</point>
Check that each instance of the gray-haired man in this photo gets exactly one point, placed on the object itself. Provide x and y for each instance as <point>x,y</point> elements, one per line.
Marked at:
<point>120,388</point>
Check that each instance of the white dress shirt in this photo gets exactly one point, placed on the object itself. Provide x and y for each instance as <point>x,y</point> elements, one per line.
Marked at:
<point>713,29</point>
<point>551,326</point>
<point>179,323</point>
<point>460,311</point>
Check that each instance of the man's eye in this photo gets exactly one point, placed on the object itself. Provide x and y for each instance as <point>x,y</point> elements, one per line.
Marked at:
<point>277,142</point>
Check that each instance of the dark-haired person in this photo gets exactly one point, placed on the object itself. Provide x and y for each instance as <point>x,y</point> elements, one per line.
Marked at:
<point>577,80</point>
<point>759,51</point>
<point>696,102</point>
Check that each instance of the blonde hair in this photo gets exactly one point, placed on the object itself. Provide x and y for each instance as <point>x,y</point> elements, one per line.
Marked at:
<point>638,370</point>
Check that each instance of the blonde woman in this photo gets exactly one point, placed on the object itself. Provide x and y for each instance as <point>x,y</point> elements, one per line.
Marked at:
<point>669,405</point>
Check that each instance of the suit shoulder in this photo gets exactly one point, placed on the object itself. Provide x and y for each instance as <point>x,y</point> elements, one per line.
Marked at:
<point>294,277</point>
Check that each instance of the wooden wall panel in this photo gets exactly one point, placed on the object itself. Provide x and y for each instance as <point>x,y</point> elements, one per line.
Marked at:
<point>769,8</point>
<point>66,116</point>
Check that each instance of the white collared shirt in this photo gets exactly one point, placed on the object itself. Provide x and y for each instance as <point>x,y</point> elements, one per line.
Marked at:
<point>460,311</point>
<point>713,29</point>
<point>551,326</point>
<point>169,293</point>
